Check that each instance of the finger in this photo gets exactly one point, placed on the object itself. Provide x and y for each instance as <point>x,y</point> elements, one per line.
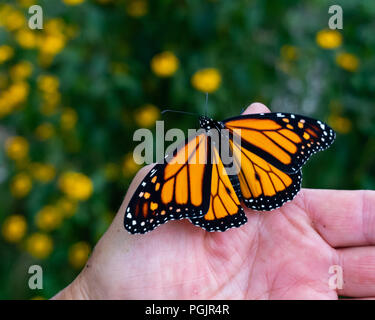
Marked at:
<point>256,107</point>
<point>358,266</point>
<point>343,218</point>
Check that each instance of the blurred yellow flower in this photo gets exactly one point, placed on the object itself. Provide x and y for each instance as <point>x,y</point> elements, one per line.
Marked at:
<point>289,52</point>
<point>68,118</point>
<point>44,131</point>
<point>78,254</point>
<point>206,80</point>
<point>164,64</point>
<point>76,185</point>
<point>42,172</point>
<point>347,61</point>
<point>340,124</point>
<point>27,38</point>
<point>14,20</point>
<point>16,147</point>
<point>39,245</point>
<point>329,39</point>
<point>129,166</point>
<point>20,185</point>
<point>67,206</point>
<point>14,228</point>
<point>48,83</point>
<point>137,8</point>
<point>21,71</point>
<point>146,115</point>
<point>73,2</point>
<point>6,52</point>
<point>48,218</point>
<point>18,92</point>
<point>52,44</point>
<point>54,26</point>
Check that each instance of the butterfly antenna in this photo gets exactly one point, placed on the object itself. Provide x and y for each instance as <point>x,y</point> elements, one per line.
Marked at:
<point>206,104</point>
<point>178,111</point>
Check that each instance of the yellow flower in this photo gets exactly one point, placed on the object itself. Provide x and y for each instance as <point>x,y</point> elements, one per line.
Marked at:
<point>44,131</point>
<point>67,206</point>
<point>20,185</point>
<point>73,2</point>
<point>289,52</point>
<point>14,20</point>
<point>78,254</point>
<point>52,44</point>
<point>16,148</point>
<point>206,80</point>
<point>129,166</point>
<point>164,64</point>
<point>340,124</point>
<point>48,218</point>
<point>42,172</point>
<point>137,8</point>
<point>14,228</point>
<point>347,61</point>
<point>68,119</point>
<point>146,115</point>
<point>54,26</point>
<point>21,71</point>
<point>329,39</point>
<point>27,38</point>
<point>18,92</point>
<point>76,185</point>
<point>6,52</point>
<point>48,83</point>
<point>39,245</point>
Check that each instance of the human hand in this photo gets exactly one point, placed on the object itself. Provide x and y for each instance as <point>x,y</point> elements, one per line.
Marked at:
<point>283,254</point>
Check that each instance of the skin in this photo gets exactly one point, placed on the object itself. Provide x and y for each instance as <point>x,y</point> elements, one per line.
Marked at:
<point>283,254</point>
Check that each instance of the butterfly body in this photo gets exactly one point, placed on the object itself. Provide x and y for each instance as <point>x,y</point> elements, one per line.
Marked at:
<point>267,151</point>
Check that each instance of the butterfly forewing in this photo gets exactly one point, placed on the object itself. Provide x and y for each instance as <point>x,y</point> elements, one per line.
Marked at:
<point>173,190</point>
<point>284,140</point>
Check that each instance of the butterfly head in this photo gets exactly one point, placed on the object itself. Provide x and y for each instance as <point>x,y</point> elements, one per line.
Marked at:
<point>208,123</point>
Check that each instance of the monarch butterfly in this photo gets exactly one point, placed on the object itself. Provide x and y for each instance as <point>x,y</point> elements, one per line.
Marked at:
<point>272,149</point>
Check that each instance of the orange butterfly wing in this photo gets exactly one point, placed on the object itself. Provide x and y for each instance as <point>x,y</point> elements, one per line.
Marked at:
<point>173,190</point>
<point>263,186</point>
<point>284,140</point>
<point>274,146</point>
<point>225,210</point>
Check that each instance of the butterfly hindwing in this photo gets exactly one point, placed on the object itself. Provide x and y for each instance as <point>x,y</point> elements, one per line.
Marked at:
<point>263,186</point>
<point>173,190</point>
<point>284,140</point>
<point>225,210</point>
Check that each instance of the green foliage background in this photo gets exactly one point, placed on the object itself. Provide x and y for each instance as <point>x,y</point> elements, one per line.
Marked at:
<point>242,39</point>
